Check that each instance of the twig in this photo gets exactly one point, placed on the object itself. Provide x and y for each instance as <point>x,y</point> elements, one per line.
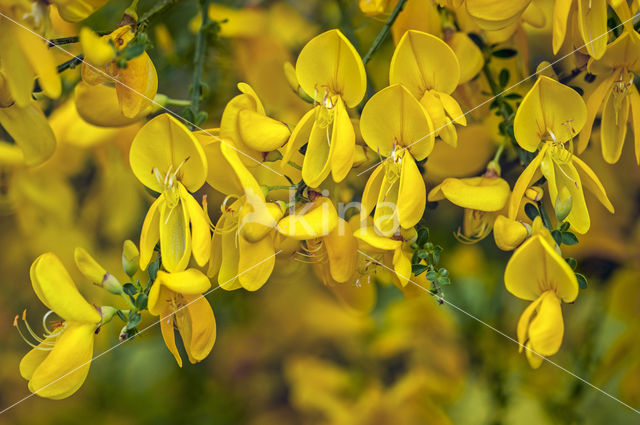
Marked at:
<point>384,32</point>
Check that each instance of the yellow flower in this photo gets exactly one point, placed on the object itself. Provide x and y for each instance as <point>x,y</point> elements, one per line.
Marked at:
<point>77,10</point>
<point>396,126</point>
<point>481,197</point>
<point>616,96</point>
<point>335,255</point>
<point>590,16</point>
<point>373,7</point>
<point>136,85</point>
<point>492,14</point>
<point>243,253</point>
<point>30,130</point>
<point>394,246</point>
<point>330,71</point>
<point>536,272</point>
<point>245,123</point>
<point>429,69</point>
<point>58,365</point>
<point>167,158</point>
<point>177,298</point>
<point>25,54</point>
<point>508,233</point>
<point>553,114</point>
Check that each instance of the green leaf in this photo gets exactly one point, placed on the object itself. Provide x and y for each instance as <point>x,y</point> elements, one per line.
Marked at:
<point>141,301</point>
<point>572,262</point>
<point>503,78</point>
<point>153,270</point>
<point>531,211</point>
<point>423,236</point>
<point>129,289</point>
<point>569,238</point>
<point>504,53</point>
<point>582,281</point>
<point>443,281</point>
<point>512,96</point>
<point>121,315</point>
<point>564,227</point>
<point>557,236</point>
<point>432,276</point>
<point>134,320</point>
<point>418,269</point>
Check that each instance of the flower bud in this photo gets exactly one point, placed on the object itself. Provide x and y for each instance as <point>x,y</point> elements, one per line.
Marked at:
<point>107,312</point>
<point>534,193</point>
<point>130,258</point>
<point>563,204</point>
<point>95,272</point>
<point>509,233</point>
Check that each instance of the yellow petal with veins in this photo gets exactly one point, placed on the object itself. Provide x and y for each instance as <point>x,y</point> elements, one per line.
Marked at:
<point>168,333</point>
<point>525,321</point>
<point>175,238</point>
<point>412,194</point>
<point>218,168</point>
<point>53,286</point>
<point>613,126</point>
<point>550,273</point>
<point>164,143</point>
<point>592,22</point>
<point>393,118</point>
<point>549,110</point>
<point>424,62</point>
<point>66,367</point>
<point>330,62</point>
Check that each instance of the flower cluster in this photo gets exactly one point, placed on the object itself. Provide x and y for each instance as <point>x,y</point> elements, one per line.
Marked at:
<point>346,175</point>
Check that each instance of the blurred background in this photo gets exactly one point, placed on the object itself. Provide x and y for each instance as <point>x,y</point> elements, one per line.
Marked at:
<point>292,353</point>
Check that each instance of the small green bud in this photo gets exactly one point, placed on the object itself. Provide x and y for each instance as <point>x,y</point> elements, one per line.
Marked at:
<point>130,258</point>
<point>563,205</point>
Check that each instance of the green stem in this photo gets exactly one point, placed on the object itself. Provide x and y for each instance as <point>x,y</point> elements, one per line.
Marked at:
<point>126,298</point>
<point>294,165</point>
<point>158,8</point>
<point>278,187</point>
<point>384,32</point>
<point>495,90</point>
<point>544,216</point>
<point>198,58</point>
<point>178,102</point>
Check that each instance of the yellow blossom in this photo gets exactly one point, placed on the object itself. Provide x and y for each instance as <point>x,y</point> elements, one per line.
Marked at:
<point>536,272</point>
<point>429,69</point>
<point>177,299</point>
<point>58,365</point>
<point>330,71</point>
<point>167,158</point>
<point>396,126</point>
<point>551,115</point>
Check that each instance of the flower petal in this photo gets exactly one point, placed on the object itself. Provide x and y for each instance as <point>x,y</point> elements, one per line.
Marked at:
<point>343,139</point>
<point>53,285</point>
<point>30,130</point>
<point>312,220</point>
<point>164,143</point>
<point>187,282</point>
<point>592,22</point>
<point>523,183</point>
<point>256,261</point>
<point>136,85</point>
<point>175,237</point>
<point>424,62</point>
<point>412,194</point>
<point>342,252</point>
<point>200,336</point>
<point>66,367</point>
<point>590,180</point>
<point>330,61</point>
<point>373,239</point>
<point>260,132</point>
<point>150,233</point>
<point>200,234</point>
<point>477,193</point>
<point>392,118</point>
<point>169,336</point>
<point>613,126</point>
<point>547,327</point>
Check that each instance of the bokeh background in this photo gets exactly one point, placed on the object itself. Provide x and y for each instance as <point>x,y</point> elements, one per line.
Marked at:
<point>292,353</point>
